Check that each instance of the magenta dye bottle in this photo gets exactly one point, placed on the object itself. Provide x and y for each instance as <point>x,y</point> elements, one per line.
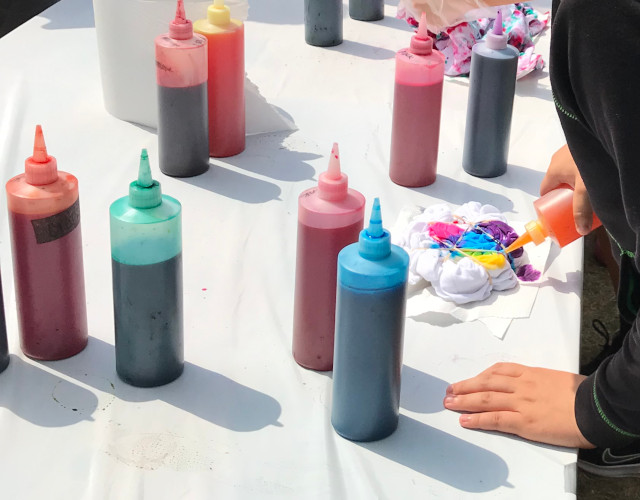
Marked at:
<point>330,217</point>
<point>417,100</point>
<point>181,72</point>
<point>44,221</point>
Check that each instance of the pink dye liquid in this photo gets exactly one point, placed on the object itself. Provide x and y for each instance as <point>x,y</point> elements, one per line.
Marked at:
<point>50,294</point>
<point>315,294</point>
<point>415,134</point>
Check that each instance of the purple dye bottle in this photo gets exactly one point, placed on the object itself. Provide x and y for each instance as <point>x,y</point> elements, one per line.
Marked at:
<point>183,125</point>
<point>492,83</point>
<point>367,361</point>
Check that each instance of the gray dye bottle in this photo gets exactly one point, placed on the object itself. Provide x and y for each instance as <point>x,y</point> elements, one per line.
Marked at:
<point>492,82</point>
<point>370,306</point>
<point>366,10</point>
<point>323,22</point>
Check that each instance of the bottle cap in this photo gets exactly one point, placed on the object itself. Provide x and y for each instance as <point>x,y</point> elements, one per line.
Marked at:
<point>144,192</point>
<point>421,42</point>
<point>374,242</point>
<point>180,28</point>
<point>40,169</point>
<point>497,39</point>
<point>218,13</point>
<point>333,185</point>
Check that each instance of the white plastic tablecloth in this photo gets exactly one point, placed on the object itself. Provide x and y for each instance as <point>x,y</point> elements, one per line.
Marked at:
<point>244,420</point>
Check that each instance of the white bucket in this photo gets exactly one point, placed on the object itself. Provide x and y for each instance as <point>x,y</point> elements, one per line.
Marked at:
<point>126,31</point>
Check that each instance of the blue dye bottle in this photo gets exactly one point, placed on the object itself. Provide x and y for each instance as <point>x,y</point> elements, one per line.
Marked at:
<point>146,262</point>
<point>370,310</point>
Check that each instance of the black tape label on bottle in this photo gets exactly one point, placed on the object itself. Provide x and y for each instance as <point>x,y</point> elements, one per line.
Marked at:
<point>58,225</point>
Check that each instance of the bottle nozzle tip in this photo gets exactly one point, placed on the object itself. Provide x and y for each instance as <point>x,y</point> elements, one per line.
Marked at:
<point>497,24</point>
<point>39,146</point>
<point>333,172</point>
<point>144,171</point>
<point>375,229</point>
<point>422,27</point>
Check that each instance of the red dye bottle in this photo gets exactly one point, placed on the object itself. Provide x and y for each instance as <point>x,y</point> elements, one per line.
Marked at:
<point>44,221</point>
<point>417,100</point>
<point>225,40</point>
<point>330,217</point>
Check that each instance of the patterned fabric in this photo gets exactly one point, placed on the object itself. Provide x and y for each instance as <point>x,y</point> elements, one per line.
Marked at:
<point>521,23</point>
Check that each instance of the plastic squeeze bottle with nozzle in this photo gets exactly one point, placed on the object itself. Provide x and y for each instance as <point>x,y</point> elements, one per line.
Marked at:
<point>181,74</point>
<point>555,220</point>
<point>417,100</point>
<point>492,83</point>
<point>330,217</point>
<point>370,307</point>
<point>44,221</point>
<point>146,263</point>
<point>225,48</point>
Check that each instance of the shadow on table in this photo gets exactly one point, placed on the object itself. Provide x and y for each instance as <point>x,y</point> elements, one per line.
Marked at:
<point>71,14</point>
<point>201,392</point>
<point>525,179</point>
<point>454,192</point>
<point>227,182</point>
<point>394,22</point>
<point>40,397</point>
<point>362,50</point>
<point>443,457</point>
<point>421,392</point>
<point>267,155</point>
<point>530,85</point>
<point>288,12</point>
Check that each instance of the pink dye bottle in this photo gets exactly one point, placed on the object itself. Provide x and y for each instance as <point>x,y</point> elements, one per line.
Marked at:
<point>225,40</point>
<point>44,220</point>
<point>416,112</point>
<point>330,217</point>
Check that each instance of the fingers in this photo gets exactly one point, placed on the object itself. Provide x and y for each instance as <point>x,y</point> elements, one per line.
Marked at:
<point>498,377</point>
<point>486,401</point>
<point>503,421</point>
<point>562,170</point>
<point>582,211</point>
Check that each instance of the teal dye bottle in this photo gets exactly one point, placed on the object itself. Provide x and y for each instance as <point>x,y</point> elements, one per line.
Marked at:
<point>370,309</point>
<point>146,258</point>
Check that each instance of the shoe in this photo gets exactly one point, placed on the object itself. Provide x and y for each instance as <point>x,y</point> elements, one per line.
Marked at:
<point>608,462</point>
<point>611,346</point>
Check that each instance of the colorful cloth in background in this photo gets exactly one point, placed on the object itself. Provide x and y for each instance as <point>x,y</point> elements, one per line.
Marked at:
<point>521,23</point>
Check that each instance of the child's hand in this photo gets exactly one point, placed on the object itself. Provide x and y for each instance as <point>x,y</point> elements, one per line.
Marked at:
<point>563,170</point>
<point>534,403</point>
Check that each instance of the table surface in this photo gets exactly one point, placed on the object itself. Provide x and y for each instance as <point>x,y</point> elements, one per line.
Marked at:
<point>244,420</point>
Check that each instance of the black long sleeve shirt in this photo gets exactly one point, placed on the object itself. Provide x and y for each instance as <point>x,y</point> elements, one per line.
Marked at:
<point>595,72</point>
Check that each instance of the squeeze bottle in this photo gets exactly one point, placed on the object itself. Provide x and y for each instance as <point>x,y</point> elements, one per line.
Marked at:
<point>370,307</point>
<point>225,38</point>
<point>330,217</point>
<point>46,242</point>
<point>555,220</point>
<point>181,74</point>
<point>492,83</point>
<point>146,259</point>
<point>323,22</point>
<point>415,128</point>
<point>366,10</point>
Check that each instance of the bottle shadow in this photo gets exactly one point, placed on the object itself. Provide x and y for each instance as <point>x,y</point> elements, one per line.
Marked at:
<point>421,392</point>
<point>443,457</point>
<point>234,185</point>
<point>363,50</point>
<point>199,391</point>
<point>42,398</point>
